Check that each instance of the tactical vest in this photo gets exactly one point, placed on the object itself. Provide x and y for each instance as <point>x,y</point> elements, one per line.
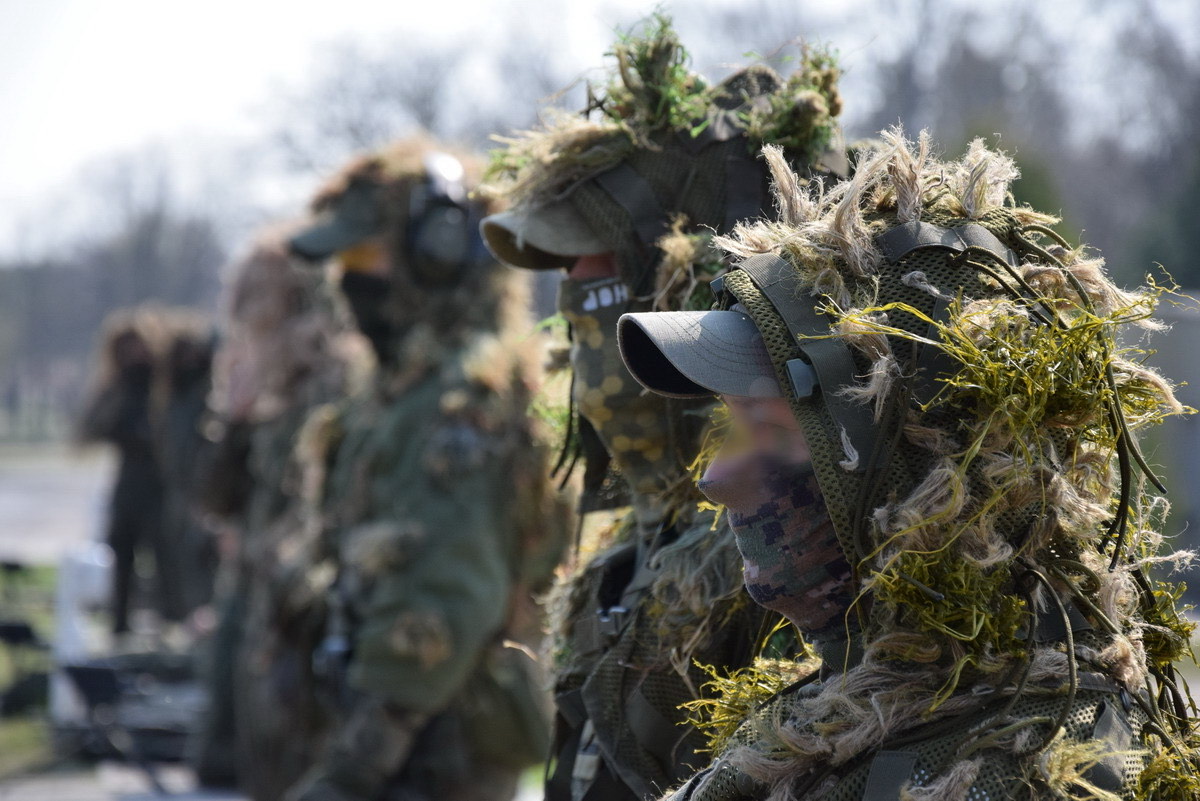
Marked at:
<point>619,731</point>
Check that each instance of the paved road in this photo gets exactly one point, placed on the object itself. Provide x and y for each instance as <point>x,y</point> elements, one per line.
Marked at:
<point>108,783</point>
<point>51,498</point>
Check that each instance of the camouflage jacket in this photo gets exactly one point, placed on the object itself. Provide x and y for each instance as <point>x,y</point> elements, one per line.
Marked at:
<point>417,515</point>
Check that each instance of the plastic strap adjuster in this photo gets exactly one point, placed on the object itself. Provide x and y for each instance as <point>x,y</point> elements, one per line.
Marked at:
<point>803,377</point>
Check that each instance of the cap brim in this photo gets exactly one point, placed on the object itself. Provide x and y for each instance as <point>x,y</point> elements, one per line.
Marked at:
<point>545,238</point>
<point>323,239</point>
<point>355,217</point>
<point>695,354</point>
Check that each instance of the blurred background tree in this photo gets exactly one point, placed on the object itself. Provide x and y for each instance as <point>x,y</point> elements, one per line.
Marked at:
<point>1098,99</point>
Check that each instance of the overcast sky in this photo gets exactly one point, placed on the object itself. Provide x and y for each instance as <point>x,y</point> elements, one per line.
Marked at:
<point>82,79</point>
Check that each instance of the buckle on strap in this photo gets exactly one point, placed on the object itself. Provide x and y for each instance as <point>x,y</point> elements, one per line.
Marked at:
<point>634,194</point>
<point>609,622</point>
<point>803,377</point>
<point>587,761</point>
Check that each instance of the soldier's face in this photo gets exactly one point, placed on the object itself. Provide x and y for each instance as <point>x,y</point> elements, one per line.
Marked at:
<point>763,476</point>
<point>587,268</point>
<point>366,282</point>
<point>763,427</point>
<point>371,257</point>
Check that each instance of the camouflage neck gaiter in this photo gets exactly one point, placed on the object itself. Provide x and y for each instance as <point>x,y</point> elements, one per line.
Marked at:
<point>367,296</point>
<point>631,422</point>
<point>793,562</point>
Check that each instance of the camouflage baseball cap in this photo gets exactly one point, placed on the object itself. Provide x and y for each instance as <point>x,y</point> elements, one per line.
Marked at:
<point>544,238</point>
<point>355,217</point>
<point>694,354</point>
<point>660,154</point>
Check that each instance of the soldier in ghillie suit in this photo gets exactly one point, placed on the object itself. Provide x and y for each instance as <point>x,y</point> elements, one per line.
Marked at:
<point>435,494</point>
<point>184,384</point>
<point>937,470</point>
<point>283,353</point>
<point>120,413</point>
<point>625,198</point>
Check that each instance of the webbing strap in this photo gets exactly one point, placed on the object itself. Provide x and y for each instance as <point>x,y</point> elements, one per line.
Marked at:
<point>653,731</point>
<point>829,356</point>
<point>634,194</point>
<point>1098,682</point>
<point>890,771</point>
<point>570,706</point>
<point>898,242</point>
<point>1112,728</point>
<point>1050,627</point>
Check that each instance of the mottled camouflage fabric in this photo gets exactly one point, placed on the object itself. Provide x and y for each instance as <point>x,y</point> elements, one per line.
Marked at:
<point>630,421</point>
<point>279,721</point>
<point>793,562</point>
<point>419,519</point>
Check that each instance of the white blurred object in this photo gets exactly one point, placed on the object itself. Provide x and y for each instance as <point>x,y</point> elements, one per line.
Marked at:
<point>84,584</point>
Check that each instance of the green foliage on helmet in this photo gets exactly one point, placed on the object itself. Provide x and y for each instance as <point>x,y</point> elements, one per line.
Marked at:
<point>651,93</point>
<point>653,87</point>
<point>801,116</point>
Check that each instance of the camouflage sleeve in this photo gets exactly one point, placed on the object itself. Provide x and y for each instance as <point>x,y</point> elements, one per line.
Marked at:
<point>437,571</point>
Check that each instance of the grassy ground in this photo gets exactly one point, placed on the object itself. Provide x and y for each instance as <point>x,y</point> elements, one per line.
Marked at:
<point>24,744</point>
<point>27,595</point>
